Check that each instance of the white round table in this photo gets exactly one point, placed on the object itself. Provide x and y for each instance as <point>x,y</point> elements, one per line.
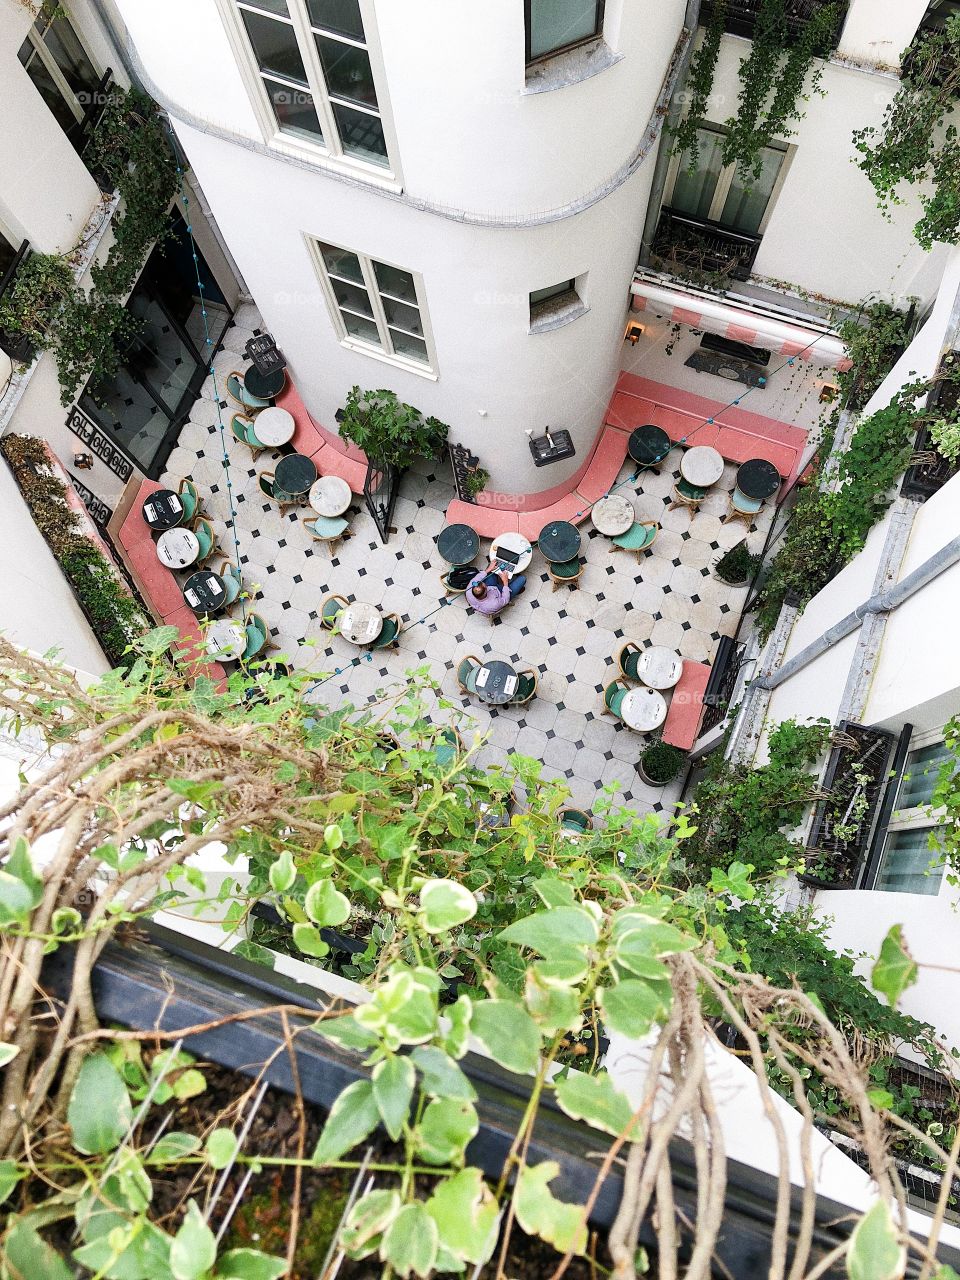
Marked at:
<point>274,426</point>
<point>177,548</point>
<point>330,496</point>
<point>520,547</point>
<point>643,709</point>
<point>613,515</point>
<point>702,466</point>
<point>660,667</point>
<point>226,640</point>
<point>360,623</point>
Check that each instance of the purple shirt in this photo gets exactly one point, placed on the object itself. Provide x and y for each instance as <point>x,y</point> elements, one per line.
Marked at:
<point>497,596</point>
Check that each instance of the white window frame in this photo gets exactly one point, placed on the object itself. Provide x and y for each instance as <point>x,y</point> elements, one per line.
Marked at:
<point>725,180</point>
<point>330,152</point>
<point>385,352</point>
<point>915,818</point>
<point>50,62</point>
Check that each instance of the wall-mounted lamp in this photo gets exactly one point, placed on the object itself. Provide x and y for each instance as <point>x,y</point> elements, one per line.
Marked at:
<point>83,461</point>
<point>632,335</point>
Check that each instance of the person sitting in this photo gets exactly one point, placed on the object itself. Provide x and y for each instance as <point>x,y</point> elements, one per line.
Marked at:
<point>493,588</point>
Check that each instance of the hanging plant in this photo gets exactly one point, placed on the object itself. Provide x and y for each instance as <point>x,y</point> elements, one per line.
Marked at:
<point>914,143</point>
<point>698,86</point>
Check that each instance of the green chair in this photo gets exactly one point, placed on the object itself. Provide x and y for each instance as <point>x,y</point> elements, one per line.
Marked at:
<point>190,498</point>
<point>326,529</point>
<point>639,537</point>
<point>613,696</point>
<point>207,539</point>
<point>232,581</point>
<point>241,396</point>
<point>331,609</point>
<point>526,687</point>
<point>243,431</point>
<point>467,672</point>
<point>566,573</point>
<point>686,494</point>
<point>268,486</point>
<point>392,626</point>
<point>741,507</point>
<point>575,820</point>
<point>448,748</point>
<point>258,637</point>
<point>628,660</point>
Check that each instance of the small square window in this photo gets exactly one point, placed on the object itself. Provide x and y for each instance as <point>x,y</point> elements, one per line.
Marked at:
<point>555,305</point>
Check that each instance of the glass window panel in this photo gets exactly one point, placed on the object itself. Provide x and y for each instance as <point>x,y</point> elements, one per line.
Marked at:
<point>920,775</point>
<point>7,255</point>
<point>337,15</point>
<point>360,134</point>
<point>693,191</point>
<point>906,861</point>
<point>393,280</point>
<point>398,313</point>
<point>552,291</point>
<point>341,262</point>
<point>278,7</point>
<point>274,46</point>
<point>295,111</point>
<point>748,197</point>
<point>348,295</point>
<point>65,115</point>
<point>554,24</point>
<point>405,345</point>
<point>358,327</point>
<point>75,66</point>
<point>347,71</point>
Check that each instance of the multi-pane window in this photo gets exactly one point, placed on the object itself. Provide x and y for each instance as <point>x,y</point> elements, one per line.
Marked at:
<point>57,63</point>
<point>376,304</point>
<point>315,70</point>
<point>909,862</point>
<point>704,187</point>
<point>555,25</point>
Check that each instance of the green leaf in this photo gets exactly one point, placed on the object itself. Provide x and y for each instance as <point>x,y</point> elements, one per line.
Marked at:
<point>555,930</point>
<point>508,1034</point>
<point>553,1008</point>
<point>734,882</point>
<point>326,905</point>
<point>554,892</point>
<point>444,904</point>
<point>403,1009</point>
<point>8,1052</point>
<point>466,1214</point>
<point>158,640</point>
<point>119,1250</point>
<point>347,1031</point>
<point>596,1100</point>
<point>445,1128</point>
<point>66,920</point>
<point>353,1117</point>
<point>874,1252</point>
<point>882,1099</point>
<point>333,836</point>
<point>440,1075</point>
<point>10,1175</point>
<point>250,1264</point>
<point>100,1111</point>
<point>306,938</point>
<point>20,864</point>
<point>653,938</point>
<point>172,1147</point>
<point>563,970</point>
<point>221,1148</point>
<point>410,1242</point>
<point>368,1220</point>
<point>16,900</point>
<point>194,1249</point>
<point>133,1186</point>
<point>189,1084</point>
<point>393,1081</point>
<point>282,873</point>
<point>895,969</point>
<point>541,1214</point>
<point>29,1256</point>
<point>632,1007</point>
<point>459,1016</point>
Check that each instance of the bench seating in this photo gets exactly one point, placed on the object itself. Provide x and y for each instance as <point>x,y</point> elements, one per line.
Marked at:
<point>570,507</point>
<point>604,466</point>
<point>682,724</point>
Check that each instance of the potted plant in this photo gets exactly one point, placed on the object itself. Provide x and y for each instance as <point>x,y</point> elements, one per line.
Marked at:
<point>736,566</point>
<point>660,763</point>
<point>475,482</point>
<point>388,431</point>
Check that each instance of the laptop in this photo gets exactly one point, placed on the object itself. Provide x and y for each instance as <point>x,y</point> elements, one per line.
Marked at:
<point>507,559</point>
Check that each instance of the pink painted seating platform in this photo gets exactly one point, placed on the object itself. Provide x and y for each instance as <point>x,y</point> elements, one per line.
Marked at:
<point>682,725</point>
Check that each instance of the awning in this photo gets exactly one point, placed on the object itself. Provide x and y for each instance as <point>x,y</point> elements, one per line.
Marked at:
<point>741,323</point>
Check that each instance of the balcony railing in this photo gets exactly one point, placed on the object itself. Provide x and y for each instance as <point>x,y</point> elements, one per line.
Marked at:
<point>724,674</point>
<point>82,131</point>
<point>740,17</point>
<point>697,249</point>
<point>932,471</point>
<point>15,344</point>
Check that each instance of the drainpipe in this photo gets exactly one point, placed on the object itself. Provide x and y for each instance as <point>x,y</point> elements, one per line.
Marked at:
<point>882,602</point>
<point>691,19</point>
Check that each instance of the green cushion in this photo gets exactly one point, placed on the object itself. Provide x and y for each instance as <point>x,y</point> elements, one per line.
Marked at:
<point>637,536</point>
<point>255,640</point>
<point>232,585</point>
<point>614,698</point>
<point>189,505</point>
<point>630,661</point>
<point>574,820</point>
<point>328,526</point>
<point>691,490</point>
<point>567,569</point>
<point>387,635</point>
<point>749,506</point>
<point>331,608</point>
<point>467,674</point>
<point>525,687</point>
<point>205,538</point>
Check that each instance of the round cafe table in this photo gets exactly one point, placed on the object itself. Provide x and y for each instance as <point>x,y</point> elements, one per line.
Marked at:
<point>649,445</point>
<point>659,667</point>
<point>496,682</point>
<point>275,426</point>
<point>330,495</point>
<point>264,385</point>
<point>205,592</point>
<point>177,548</point>
<point>360,623</point>
<point>294,474</point>
<point>701,466</point>
<point>518,545</point>
<point>559,541</point>
<point>458,544</point>
<point>643,709</point>
<point>226,640</point>
<point>163,509</point>
<point>758,479</point>
<point>613,515</point>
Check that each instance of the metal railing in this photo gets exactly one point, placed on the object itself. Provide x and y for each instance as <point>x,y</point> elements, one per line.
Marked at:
<point>740,16</point>
<point>15,345</point>
<point>696,246</point>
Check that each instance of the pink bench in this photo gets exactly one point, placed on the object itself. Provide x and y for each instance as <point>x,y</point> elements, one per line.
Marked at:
<point>571,507</point>
<point>487,521</point>
<point>682,724</point>
<point>604,466</point>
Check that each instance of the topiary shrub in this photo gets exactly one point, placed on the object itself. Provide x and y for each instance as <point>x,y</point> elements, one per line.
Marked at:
<point>661,762</point>
<point>737,565</point>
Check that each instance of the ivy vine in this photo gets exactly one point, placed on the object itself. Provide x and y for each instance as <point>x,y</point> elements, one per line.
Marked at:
<point>699,85</point>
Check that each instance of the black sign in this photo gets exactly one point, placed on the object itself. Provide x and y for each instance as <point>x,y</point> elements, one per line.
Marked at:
<point>98,509</point>
<point>265,354</point>
<point>551,447</point>
<point>105,449</point>
<point>463,462</point>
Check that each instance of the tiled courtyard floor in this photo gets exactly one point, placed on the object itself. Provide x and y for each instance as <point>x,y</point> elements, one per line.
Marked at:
<point>571,636</point>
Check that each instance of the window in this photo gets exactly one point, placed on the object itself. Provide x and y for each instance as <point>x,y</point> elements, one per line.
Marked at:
<point>909,861</point>
<point>57,63</point>
<point>554,306</point>
<point>720,193</point>
<point>555,25</point>
<point>315,71</point>
<point>375,304</point>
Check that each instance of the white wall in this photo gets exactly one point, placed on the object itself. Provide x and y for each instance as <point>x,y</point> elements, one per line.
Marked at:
<point>877,31</point>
